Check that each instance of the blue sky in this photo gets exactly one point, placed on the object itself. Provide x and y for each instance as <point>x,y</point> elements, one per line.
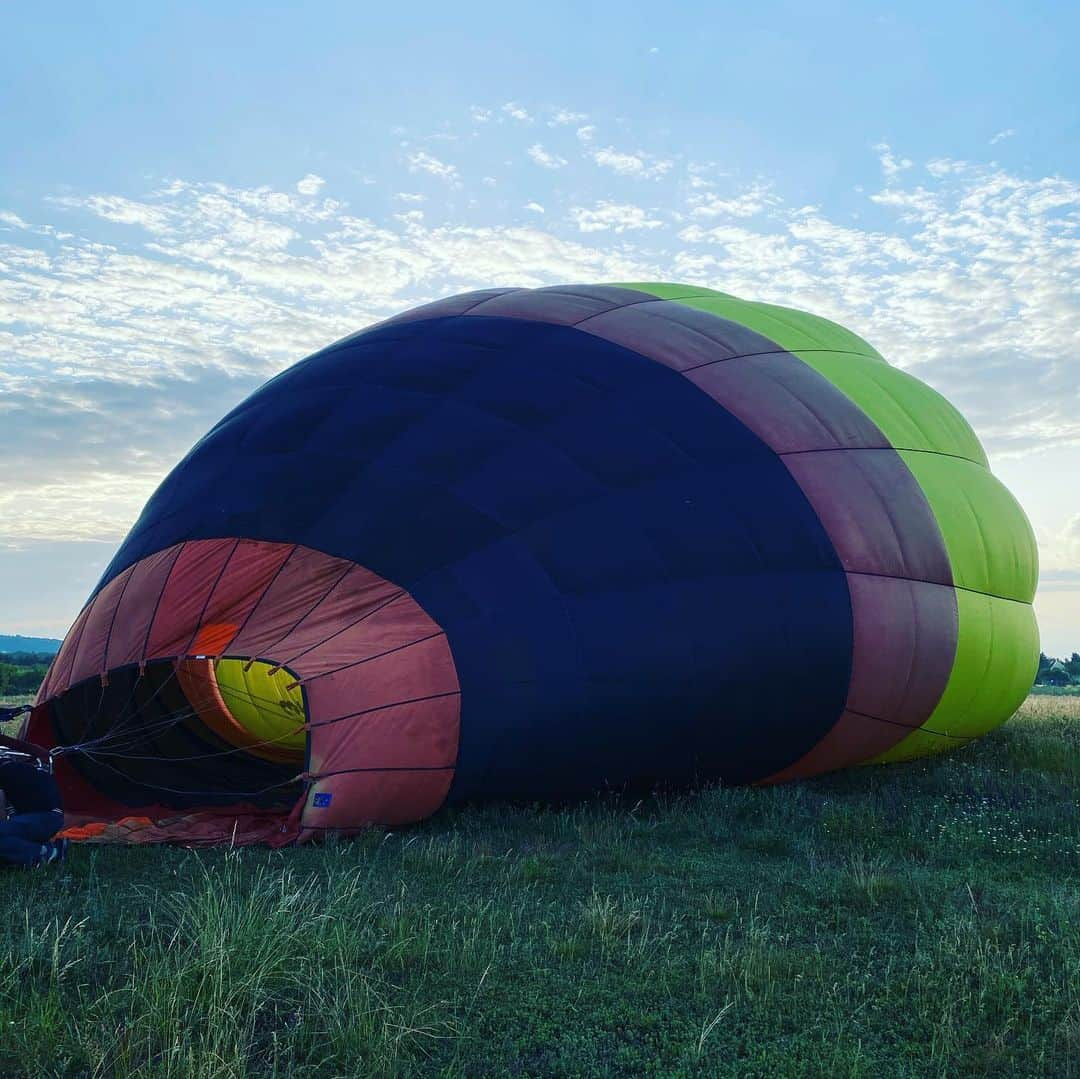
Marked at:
<point>194,196</point>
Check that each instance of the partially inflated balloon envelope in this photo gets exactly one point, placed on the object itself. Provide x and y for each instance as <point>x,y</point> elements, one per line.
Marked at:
<point>534,543</point>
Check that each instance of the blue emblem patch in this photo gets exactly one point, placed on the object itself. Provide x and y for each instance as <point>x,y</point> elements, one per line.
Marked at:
<point>321,801</point>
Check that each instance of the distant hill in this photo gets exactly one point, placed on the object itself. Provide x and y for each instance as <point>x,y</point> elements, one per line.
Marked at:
<point>15,642</point>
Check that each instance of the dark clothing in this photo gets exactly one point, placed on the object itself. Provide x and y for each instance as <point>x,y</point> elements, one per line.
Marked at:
<point>23,837</point>
<point>34,799</point>
<point>28,789</point>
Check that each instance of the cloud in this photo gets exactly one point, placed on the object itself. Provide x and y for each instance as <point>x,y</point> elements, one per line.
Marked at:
<point>616,216</point>
<point>516,112</point>
<point>421,161</point>
<point>745,204</point>
<point>891,165</point>
<point>535,207</point>
<point>565,117</point>
<point>639,165</point>
<point>1002,135</point>
<point>310,184</point>
<point>545,159</point>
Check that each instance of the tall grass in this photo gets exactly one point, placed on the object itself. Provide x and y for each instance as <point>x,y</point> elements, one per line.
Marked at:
<point>915,920</point>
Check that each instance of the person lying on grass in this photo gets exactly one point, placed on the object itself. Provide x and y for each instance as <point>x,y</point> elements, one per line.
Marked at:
<point>30,807</point>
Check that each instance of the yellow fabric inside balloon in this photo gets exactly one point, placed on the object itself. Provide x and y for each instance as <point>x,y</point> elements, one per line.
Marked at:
<point>266,702</point>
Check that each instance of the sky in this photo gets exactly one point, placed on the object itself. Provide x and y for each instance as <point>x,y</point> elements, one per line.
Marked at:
<point>193,197</point>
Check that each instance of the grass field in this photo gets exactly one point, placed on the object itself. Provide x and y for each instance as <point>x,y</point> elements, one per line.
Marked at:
<point>918,920</point>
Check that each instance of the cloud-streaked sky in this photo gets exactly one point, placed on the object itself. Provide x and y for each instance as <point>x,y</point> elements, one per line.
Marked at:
<point>191,200</point>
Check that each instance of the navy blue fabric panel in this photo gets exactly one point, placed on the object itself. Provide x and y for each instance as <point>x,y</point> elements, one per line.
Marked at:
<point>615,559</point>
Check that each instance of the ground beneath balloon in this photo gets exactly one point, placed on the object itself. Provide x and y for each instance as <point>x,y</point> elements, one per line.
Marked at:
<point>913,920</point>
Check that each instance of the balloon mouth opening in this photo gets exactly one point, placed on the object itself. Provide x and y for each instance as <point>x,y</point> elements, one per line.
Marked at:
<point>195,732</point>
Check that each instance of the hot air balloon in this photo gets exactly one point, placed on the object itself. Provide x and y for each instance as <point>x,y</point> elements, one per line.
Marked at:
<point>537,543</point>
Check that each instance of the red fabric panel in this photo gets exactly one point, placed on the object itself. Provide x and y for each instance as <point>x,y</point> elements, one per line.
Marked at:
<point>57,678</point>
<point>787,404</point>
<point>251,568</point>
<point>90,655</point>
<point>132,625</point>
<point>193,577</point>
<point>304,581</point>
<point>874,512</point>
<point>388,798</point>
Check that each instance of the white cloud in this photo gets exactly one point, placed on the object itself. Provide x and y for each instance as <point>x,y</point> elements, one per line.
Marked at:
<point>565,117</point>
<point>535,207</point>
<point>310,184</point>
<point>616,216</point>
<point>639,165</point>
<point>409,196</point>
<point>1001,135</point>
<point>12,220</point>
<point>516,112</point>
<point>544,158</point>
<point>891,165</point>
<point>749,203</point>
<point>421,161</point>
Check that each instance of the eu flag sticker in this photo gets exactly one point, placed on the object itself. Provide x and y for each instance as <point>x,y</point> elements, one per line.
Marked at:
<point>322,800</point>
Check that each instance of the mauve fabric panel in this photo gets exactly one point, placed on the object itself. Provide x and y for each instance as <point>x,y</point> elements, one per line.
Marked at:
<point>852,740</point>
<point>251,568</point>
<point>131,629</point>
<point>451,305</point>
<point>391,798</point>
<point>787,404</point>
<point>359,596</point>
<point>305,580</point>
<point>565,306</point>
<point>412,734</point>
<point>676,336</point>
<point>194,575</point>
<point>90,655</point>
<point>905,642</point>
<point>388,628</point>
<point>875,513</point>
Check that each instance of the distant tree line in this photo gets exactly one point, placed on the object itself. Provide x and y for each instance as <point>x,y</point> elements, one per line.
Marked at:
<point>22,672</point>
<point>1058,672</point>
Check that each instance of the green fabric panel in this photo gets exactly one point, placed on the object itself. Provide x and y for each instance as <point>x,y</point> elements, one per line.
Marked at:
<point>261,701</point>
<point>997,655</point>
<point>990,542</point>
<point>920,743</point>
<point>790,329</point>
<point>911,415</point>
<point>668,291</point>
